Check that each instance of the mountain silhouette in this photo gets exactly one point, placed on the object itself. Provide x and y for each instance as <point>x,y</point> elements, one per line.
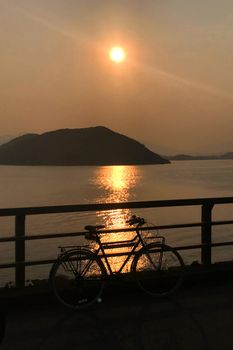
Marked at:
<point>228,155</point>
<point>87,146</point>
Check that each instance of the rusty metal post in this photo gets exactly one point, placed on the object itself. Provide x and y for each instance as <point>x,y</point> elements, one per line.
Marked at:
<point>20,250</point>
<point>206,233</point>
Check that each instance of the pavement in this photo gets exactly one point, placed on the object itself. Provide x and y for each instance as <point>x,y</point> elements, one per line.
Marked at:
<point>199,316</point>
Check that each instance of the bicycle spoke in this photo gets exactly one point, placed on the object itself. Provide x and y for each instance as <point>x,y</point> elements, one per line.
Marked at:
<point>158,270</point>
<point>81,282</point>
<point>86,267</point>
<point>153,261</point>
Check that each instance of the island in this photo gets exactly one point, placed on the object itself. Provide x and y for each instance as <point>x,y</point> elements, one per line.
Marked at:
<point>223,156</point>
<point>85,146</point>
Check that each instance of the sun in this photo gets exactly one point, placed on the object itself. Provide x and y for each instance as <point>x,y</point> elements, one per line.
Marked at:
<point>117,54</point>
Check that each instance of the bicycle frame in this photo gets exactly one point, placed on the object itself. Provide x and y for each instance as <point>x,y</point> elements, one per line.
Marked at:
<point>134,242</point>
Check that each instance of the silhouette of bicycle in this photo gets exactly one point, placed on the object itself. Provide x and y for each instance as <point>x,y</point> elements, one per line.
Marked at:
<point>79,274</point>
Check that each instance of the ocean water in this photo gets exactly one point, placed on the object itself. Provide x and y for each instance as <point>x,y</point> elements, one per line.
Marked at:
<point>23,186</point>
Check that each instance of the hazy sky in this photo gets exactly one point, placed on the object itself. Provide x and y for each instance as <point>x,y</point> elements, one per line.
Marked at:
<point>174,92</point>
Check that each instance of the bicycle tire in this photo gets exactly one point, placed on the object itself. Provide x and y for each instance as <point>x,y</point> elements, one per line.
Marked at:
<point>78,278</point>
<point>158,269</point>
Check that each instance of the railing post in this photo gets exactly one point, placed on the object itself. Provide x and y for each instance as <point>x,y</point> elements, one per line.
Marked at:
<point>206,233</point>
<point>20,250</point>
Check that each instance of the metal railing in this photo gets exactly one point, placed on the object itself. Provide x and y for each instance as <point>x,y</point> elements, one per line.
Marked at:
<point>20,237</point>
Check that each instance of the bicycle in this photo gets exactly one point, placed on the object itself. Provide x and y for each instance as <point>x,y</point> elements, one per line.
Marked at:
<point>79,274</point>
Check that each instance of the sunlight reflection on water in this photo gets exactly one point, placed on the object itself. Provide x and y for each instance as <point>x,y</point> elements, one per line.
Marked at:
<point>116,183</point>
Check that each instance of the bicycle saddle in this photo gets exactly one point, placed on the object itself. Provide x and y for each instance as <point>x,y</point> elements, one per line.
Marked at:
<point>93,228</point>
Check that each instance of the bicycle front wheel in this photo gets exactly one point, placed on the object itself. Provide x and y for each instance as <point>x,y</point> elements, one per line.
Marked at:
<point>158,269</point>
<point>78,278</point>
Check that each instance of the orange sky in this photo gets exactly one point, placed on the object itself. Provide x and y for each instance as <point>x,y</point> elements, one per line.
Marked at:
<point>174,92</point>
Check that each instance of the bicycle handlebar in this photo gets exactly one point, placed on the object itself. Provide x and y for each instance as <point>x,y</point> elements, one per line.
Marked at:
<point>135,220</point>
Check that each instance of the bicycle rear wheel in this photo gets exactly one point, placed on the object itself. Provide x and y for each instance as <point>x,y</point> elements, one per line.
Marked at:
<point>158,269</point>
<point>78,278</point>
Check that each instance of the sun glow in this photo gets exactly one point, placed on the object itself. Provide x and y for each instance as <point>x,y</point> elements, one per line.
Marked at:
<point>117,54</point>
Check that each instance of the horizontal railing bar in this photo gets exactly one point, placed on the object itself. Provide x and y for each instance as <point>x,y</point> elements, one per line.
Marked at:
<point>225,222</point>
<point>47,262</point>
<point>197,246</point>
<point>81,234</point>
<point>222,244</point>
<point>111,206</point>
<point>46,236</point>
<point>27,263</point>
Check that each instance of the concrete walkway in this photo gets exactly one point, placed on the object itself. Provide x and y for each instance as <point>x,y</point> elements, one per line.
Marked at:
<point>196,318</point>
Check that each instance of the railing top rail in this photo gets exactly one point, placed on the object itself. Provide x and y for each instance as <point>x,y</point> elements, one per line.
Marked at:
<point>111,206</point>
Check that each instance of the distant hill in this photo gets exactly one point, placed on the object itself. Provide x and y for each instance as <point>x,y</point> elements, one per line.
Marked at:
<point>88,146</point>
<point>6,138</point>
<point>228,155</point>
